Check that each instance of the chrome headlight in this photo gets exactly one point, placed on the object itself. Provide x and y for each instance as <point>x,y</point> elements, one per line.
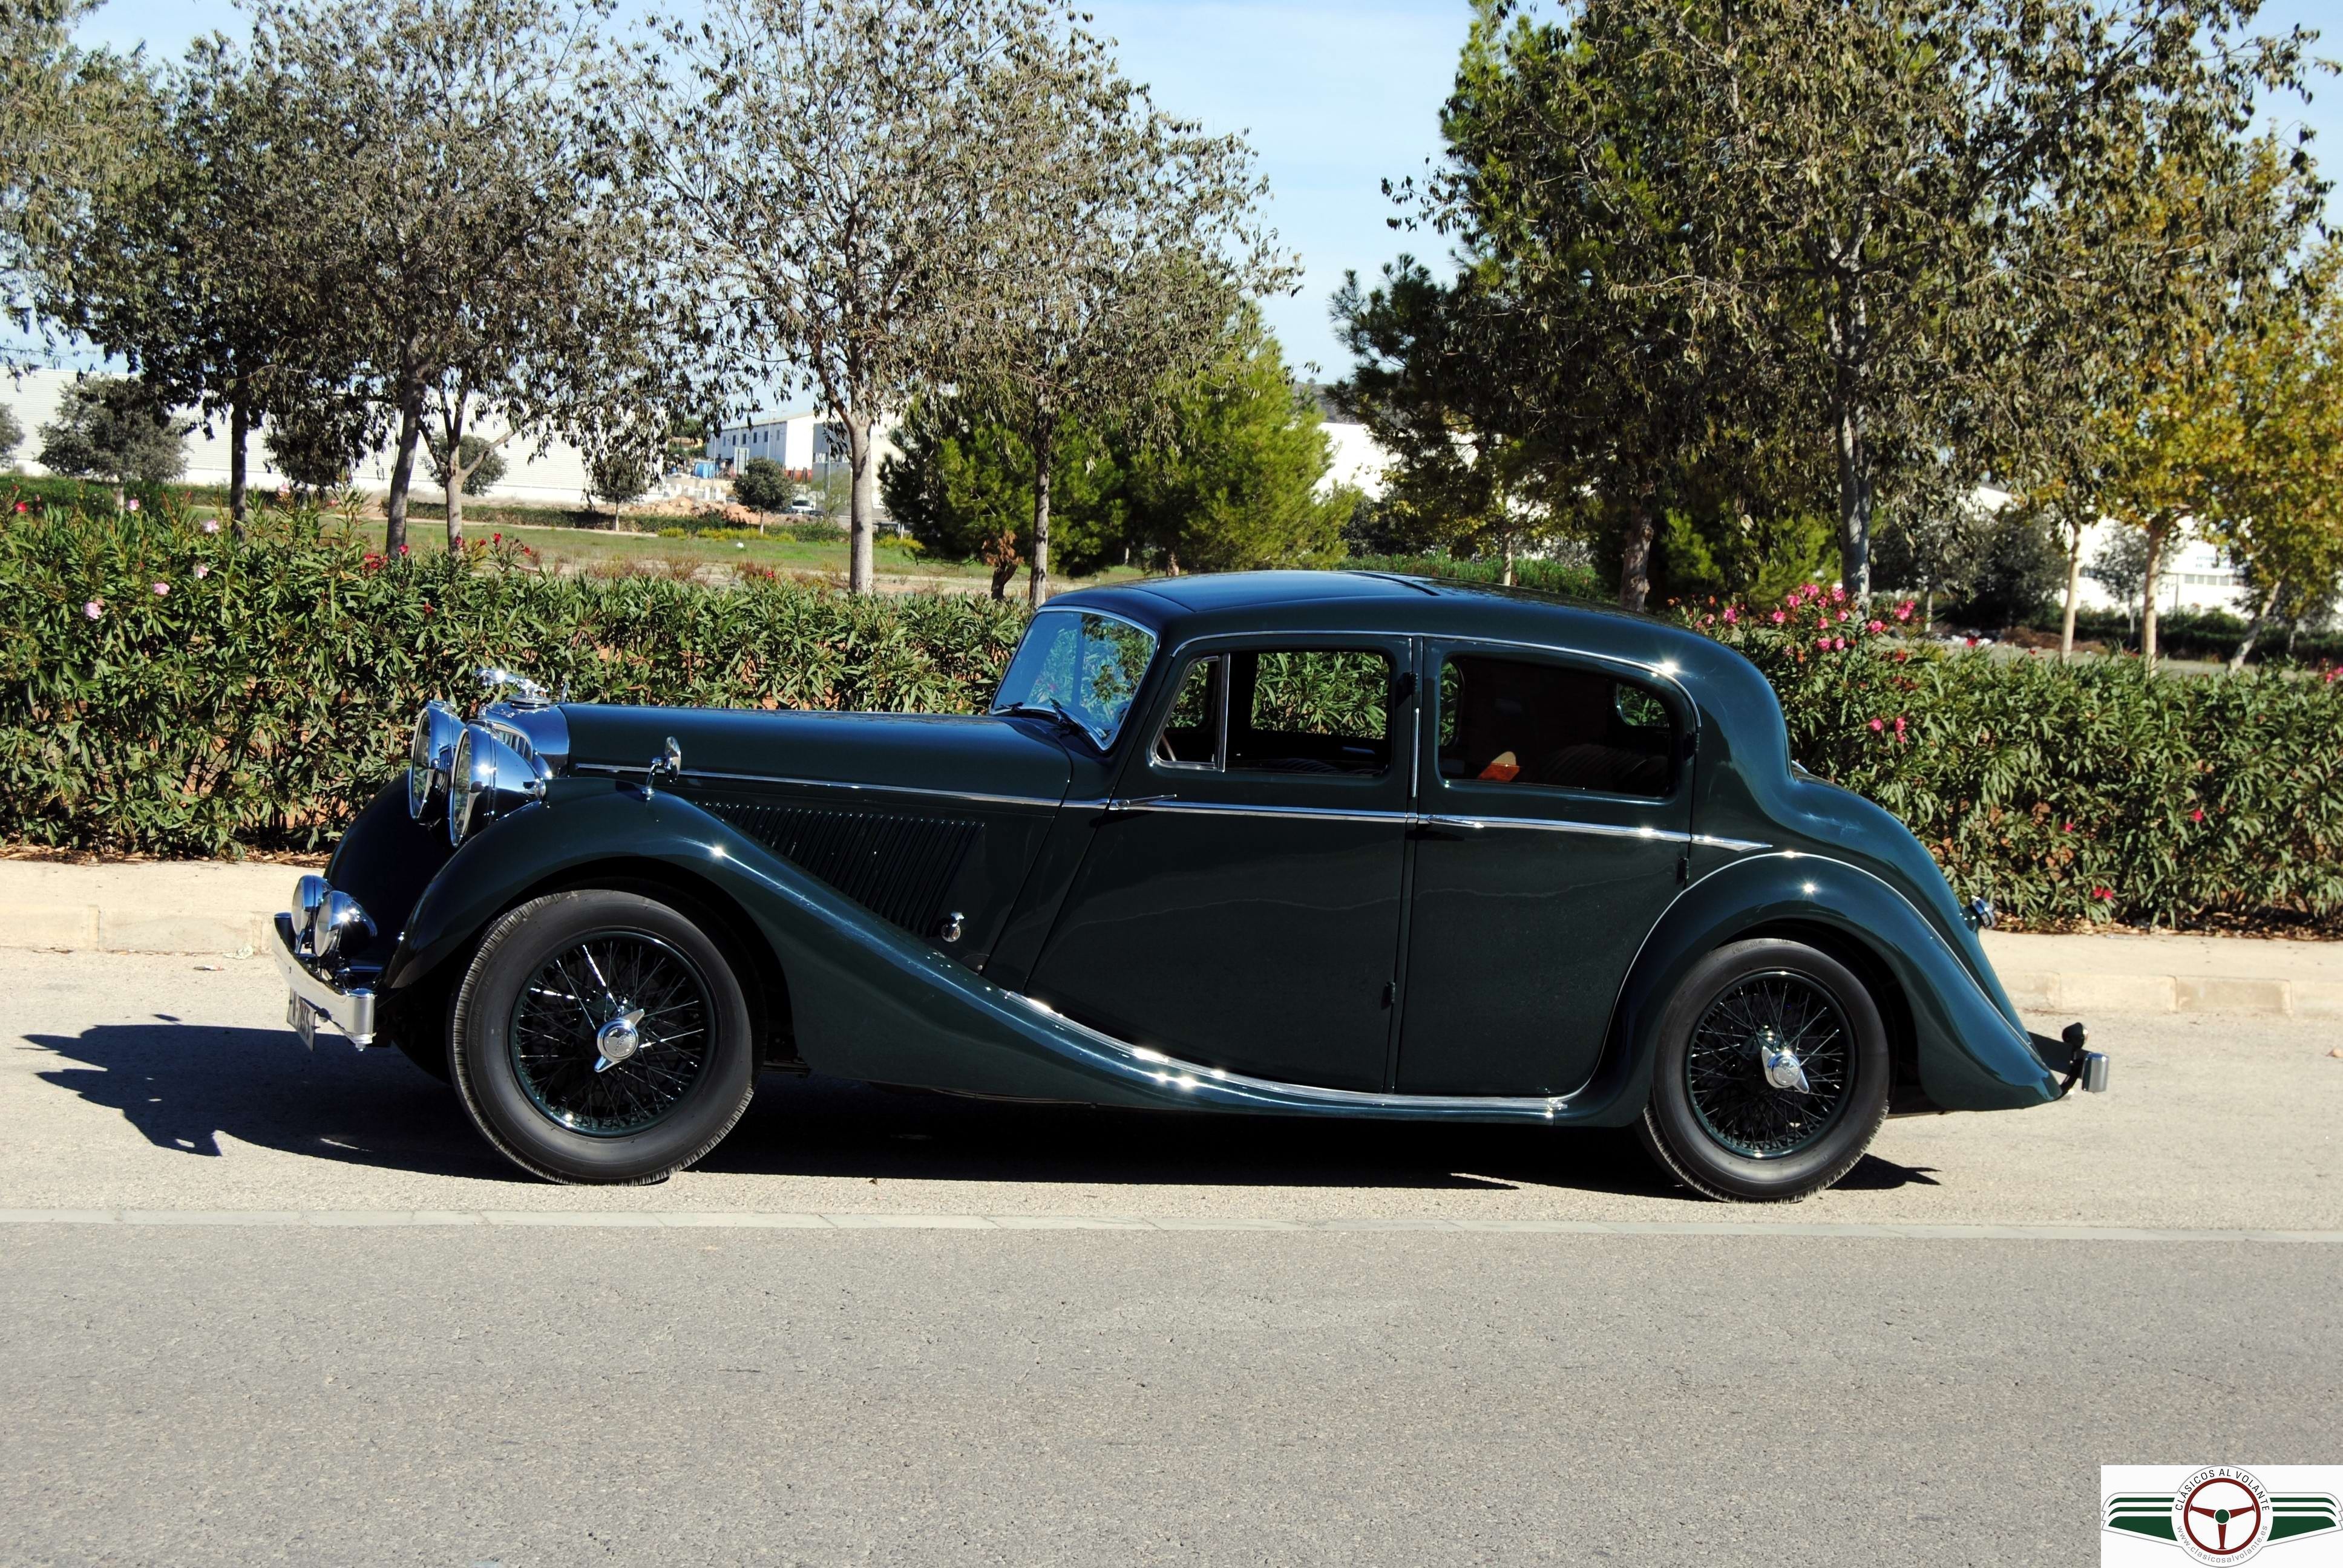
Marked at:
<point>431,757</point>
<point>308,894</point>
<point>486,776</point>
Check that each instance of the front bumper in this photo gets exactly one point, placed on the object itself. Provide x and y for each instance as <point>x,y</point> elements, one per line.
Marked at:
<point>350,1008</point>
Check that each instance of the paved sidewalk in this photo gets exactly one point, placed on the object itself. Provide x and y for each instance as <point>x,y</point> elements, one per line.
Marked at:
<point>221,907</point>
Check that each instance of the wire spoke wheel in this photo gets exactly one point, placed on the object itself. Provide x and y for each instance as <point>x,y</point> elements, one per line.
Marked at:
<point>611,1033</point>
<point>1769,1065</point>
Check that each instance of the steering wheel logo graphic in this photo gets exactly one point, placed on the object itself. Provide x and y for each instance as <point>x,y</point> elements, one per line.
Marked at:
<point>2221,1515</point>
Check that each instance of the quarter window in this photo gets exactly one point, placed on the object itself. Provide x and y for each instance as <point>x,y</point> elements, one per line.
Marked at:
<point>1515,722</point>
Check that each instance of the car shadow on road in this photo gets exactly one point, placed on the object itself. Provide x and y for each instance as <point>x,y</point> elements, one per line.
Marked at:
<point>186,1086</point>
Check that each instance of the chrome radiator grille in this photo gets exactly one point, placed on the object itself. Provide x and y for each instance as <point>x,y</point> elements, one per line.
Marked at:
<point>900,868</point>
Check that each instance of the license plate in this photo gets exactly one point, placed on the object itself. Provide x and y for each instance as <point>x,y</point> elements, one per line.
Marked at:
<point>303,1019</point>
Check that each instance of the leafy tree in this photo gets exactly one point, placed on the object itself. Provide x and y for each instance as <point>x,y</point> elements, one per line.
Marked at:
<point>2120,566</point>
<point>623,471</point>
<point>762,485</point>
<point>830,163</point>
<point>12,434</point>
<point>479,242</point>
<point>318,437</point>
<point>69,117</point>
<point>477,459</point>
<point>1118,241</point>
<point>2278,507</point>
<point>1702,227</point>
<point>197,271</point>
<point>2014,571</point>
<point>1232,479</point>
<point>114,428</point>
<point>962,483</point>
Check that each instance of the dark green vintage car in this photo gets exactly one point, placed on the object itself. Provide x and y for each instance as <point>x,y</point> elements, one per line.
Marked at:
<point>1300,844</point>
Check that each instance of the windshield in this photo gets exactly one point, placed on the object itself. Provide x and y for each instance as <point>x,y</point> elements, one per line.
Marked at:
<point>1082,668</point>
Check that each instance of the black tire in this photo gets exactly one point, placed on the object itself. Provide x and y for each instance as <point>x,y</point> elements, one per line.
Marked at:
<point>525,1053</point>
<point>1717,1122</point>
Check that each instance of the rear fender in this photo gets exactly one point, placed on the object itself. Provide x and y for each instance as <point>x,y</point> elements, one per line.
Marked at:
<point>1969,1055</point>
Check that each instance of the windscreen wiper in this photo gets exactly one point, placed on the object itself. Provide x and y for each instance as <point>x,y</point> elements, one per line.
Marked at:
<point>1050,708</point>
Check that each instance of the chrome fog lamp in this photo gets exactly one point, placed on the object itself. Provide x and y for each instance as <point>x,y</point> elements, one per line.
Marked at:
<point>430,756</point>
<point>339,921</point>
<point>486,776</point>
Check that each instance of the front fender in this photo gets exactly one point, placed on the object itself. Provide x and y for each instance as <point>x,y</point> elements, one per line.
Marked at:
<point>1971,1055</point>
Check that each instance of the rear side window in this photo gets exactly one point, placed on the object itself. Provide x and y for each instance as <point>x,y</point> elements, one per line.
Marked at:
<point>1522,722</point>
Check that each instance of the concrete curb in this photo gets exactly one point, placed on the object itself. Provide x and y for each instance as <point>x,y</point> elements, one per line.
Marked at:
<point>225,909</point>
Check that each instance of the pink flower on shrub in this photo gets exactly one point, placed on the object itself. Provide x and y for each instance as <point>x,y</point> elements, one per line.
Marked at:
<point>94,609</point>
<point>202,570</point>
<point>1874,626</point>
<point>1779,618</point>
<point>1877,724</point>
<point>1838,593</point>
<point>132,504</point>
<point>1823,643</point>
<point>1899,725</point>
<point>211,525</point>
<point>2198,815</point>
<point>20,507</point>
<point>162,588</point>
<point>2066,828</point>
<point>402,549</point>
<point>1731,614</point>
<point>1839,643</point>
<point>1845,614</point>
<point>2105,895</point>
<point>1904,611</point>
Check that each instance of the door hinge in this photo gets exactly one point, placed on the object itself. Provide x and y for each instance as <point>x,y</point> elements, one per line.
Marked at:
<point>1683,865</point>
<point>1391,992</point>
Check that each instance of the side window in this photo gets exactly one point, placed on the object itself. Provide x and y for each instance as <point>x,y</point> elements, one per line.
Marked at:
<point>1310,710</point>
<point>1191,730</point>
<point>1518,721</point>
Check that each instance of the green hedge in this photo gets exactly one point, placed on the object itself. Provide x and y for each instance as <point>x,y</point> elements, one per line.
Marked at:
<point>165,690</point>
<point>268,690</point>
<point>2082,792</point>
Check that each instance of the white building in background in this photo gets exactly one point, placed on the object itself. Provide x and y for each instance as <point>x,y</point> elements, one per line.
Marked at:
<point>554,476</point>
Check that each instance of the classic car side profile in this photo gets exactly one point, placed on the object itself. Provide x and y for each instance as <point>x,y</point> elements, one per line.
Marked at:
<point>1292,843</point>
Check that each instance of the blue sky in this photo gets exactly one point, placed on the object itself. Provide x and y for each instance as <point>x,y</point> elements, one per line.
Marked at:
<point>1335,97</point>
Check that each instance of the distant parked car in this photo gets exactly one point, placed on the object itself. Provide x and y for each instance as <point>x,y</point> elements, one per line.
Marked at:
<point>1311,844</point>
<point>802,506</point>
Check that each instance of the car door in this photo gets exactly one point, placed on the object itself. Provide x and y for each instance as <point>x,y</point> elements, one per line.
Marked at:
<point>1555,802</point>
<point>1239,903</point>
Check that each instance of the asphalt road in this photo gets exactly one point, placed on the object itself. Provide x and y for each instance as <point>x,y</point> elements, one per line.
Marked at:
<point>284,1381</point>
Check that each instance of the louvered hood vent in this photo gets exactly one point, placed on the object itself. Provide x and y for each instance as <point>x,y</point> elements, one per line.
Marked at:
<point>898,868</point>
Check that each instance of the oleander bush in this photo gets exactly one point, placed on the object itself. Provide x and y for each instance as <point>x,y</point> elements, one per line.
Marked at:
<point>166,690</point>
<point>2070,793</point>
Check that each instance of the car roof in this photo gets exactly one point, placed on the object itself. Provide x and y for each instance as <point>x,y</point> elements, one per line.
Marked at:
<point>1386,603</point>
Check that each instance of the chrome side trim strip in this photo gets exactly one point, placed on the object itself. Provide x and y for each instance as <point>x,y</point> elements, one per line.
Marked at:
<point>1556,825</point>
<point>1223,809</point>
<point>1174,1073</point>
<point>1738,846</point>
<point>617,771</point>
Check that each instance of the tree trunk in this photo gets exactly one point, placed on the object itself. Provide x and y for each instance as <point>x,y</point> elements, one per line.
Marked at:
<point>1634,557</point>
<point>1509,558</point>
<point>458,475</point>
<point>239,429</point>
<point>1928,612</point>
<point>1849,331</point>
<point>2073,583</point>
<point>402,470</point>
<point>2156,533</point>
<point>861,525</point>
<point>1044,440</point>
<point>2253,626</point>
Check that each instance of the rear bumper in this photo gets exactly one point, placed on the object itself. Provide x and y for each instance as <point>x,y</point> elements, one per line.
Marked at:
<point>349,1008</point>
<point>2088,1069</point>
